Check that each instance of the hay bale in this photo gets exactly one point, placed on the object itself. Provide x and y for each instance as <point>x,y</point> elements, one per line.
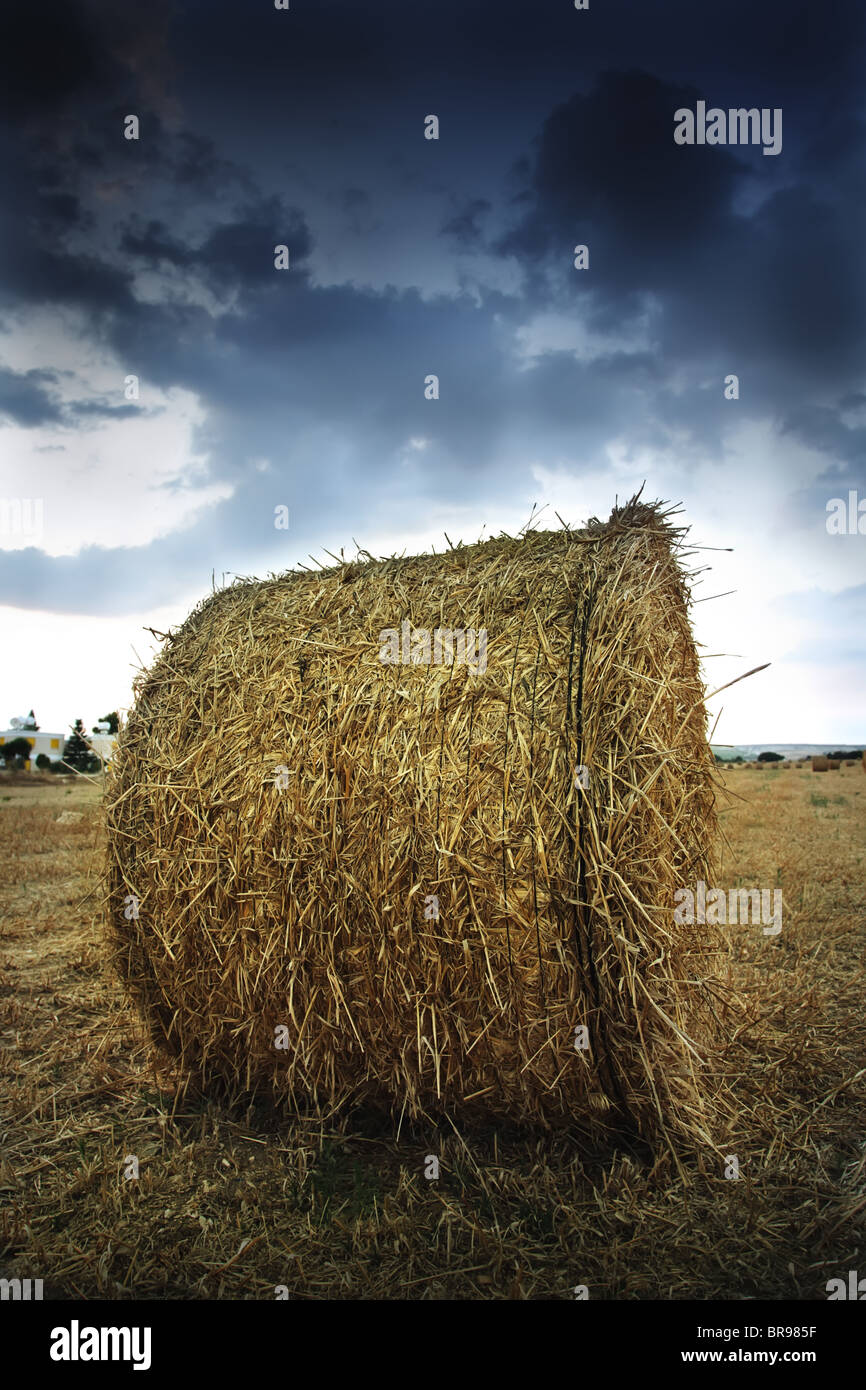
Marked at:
<point>290,812</point>
<point>820,764</point>
<point>833,764</point>
<point>850,762</point>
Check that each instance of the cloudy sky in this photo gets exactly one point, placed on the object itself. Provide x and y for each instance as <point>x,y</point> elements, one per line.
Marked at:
<point>153,258</point>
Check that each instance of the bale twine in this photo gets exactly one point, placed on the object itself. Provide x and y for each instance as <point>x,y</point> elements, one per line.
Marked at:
<point>820,764</point>
<point>423,885</point>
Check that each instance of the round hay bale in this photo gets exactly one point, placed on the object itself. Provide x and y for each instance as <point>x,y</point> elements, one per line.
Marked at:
<point>820,764</point>
<point>833,764</point>
<point>341,869</point>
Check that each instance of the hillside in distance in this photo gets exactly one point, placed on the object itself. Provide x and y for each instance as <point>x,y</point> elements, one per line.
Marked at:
<point>792,751</point>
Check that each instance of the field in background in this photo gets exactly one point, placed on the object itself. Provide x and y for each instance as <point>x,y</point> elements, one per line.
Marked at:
<point>233,1204</point>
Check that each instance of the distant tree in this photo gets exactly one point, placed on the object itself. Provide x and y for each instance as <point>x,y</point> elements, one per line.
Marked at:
<point>842,757</point>
<point>113,722</point>
<point>738,758</point>
<point>770,758</point>
<point>31,722</point>
<point>15,751</point>
<point>43,762</point>
<point>76,752</point>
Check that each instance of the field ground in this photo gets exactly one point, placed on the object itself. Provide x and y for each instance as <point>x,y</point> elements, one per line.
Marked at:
<point>230,1205</point>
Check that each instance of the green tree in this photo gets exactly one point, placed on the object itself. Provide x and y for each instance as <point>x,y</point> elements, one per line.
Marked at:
<point>113,722</point>
<point>76,751</point>
<point>15,751</point>
<point>770,758</point>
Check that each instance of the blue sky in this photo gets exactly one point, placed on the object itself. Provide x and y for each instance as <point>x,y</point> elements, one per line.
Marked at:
<point>305,388</point>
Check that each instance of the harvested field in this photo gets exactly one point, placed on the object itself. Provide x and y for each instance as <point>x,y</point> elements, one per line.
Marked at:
<point>230,1203</point>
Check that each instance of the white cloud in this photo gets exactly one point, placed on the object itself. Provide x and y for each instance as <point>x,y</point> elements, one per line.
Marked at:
<point>111,482</point>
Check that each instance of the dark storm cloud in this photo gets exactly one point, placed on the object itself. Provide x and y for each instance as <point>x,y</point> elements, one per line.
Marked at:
<point>778,284</point>
<point>741,264</point>
<point>101,410</point>
<point>236,253</point>
<point>43,276</point>
<point>40,214</point>
<point>72,583</point>
<point>464,225</point>
<point>825,430</point>
<point>29,398</point>
<point>243,251</point>
<point>197,166</point>
<point>841,444</point>
<point>607,162</point>
<point>155,244</point>
<point>32,399</point>
<point>346,50</point>
<point>50,54</point>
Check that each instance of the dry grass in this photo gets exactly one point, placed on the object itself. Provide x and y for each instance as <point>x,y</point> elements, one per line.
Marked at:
<point>297,913</point>
<point>231,1203</point>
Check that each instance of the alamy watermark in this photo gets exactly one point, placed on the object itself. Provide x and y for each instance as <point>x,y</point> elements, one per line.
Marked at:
<point>712,906</point>
<point>77,1343</point>
<point>855,1288</point>
<point>846,518</point>
<point>737,126</point>
<point>445,647</point>
<point>20,1290</point>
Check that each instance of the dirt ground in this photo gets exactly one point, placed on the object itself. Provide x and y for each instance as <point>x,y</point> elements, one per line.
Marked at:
<point>233,1204</point>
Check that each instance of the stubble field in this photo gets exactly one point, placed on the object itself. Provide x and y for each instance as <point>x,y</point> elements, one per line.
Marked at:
<point>234,1204</point>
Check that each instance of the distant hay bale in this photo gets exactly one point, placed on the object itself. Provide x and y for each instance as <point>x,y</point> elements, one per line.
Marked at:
<point>820,764</point>
<point>850,762</point>
<point>833,764</point>
<point>334,877</point>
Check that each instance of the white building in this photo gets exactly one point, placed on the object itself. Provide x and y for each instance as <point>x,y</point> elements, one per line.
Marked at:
<point>43,741</point>
<point>40,741</point>
<point>103,745</point>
